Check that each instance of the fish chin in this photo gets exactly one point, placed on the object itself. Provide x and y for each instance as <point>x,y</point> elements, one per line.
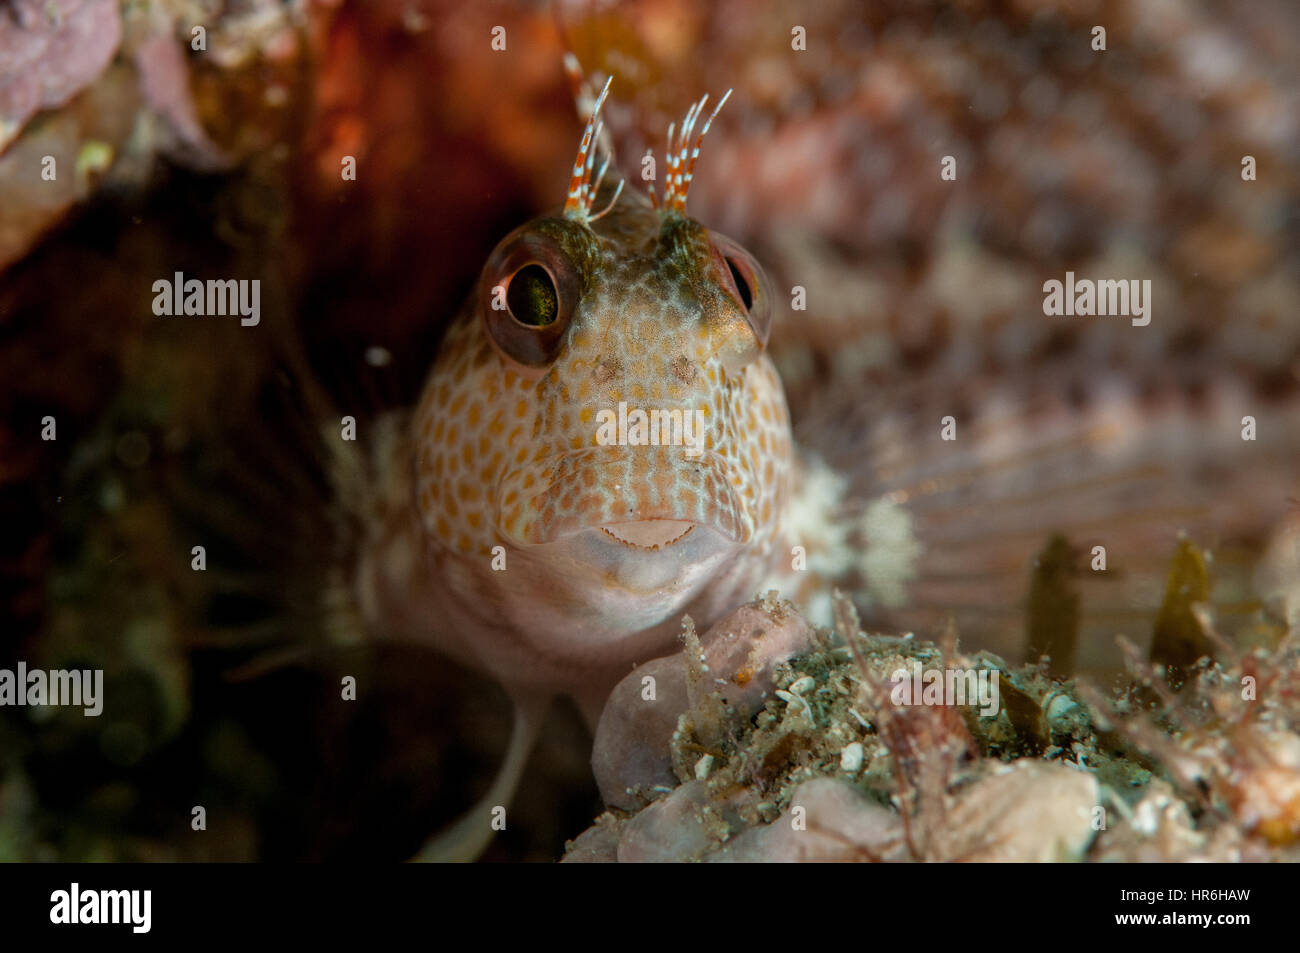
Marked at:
<point>640,573</point>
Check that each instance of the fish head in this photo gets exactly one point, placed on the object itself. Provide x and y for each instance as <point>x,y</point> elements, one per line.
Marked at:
<point>607,406</point>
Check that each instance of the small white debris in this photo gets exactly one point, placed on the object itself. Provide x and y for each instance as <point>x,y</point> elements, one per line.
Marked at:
<point>703,767</point>
<point>801,685</point>
<point>1146,819</point>
<point>377,356</point>
<point>1059,706</point>
<point>851,758</point>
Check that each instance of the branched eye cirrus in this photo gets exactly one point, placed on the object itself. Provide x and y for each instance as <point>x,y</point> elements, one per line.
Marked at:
<point>529,290</point>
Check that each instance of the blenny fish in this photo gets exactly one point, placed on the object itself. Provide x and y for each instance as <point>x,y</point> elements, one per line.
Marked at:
<point>980,469</point>
<point>551,515</point>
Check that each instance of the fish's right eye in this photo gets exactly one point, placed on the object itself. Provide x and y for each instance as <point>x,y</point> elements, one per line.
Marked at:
<point>528,290</point>
<point>532,298</point>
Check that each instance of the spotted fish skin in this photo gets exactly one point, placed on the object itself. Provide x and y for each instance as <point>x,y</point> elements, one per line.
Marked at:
<point>598,548</point>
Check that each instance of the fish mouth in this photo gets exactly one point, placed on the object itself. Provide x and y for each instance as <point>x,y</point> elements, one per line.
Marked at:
<point>649,534</point>
<point>643,498</point>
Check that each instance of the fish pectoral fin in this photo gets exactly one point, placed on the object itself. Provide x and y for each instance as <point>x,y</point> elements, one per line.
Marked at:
<point>466,839</point>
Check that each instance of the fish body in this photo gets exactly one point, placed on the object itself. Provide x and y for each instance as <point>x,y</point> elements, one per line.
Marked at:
<point>601,446</point>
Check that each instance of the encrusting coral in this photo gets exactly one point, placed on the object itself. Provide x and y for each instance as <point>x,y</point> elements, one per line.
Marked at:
<point>767,740</point>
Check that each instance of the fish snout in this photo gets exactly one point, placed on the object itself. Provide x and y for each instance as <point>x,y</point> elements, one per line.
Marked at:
<point>645,497</point>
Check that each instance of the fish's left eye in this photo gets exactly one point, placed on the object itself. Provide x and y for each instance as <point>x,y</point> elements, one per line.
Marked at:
<point>742,284</point>
<point>745,280</point>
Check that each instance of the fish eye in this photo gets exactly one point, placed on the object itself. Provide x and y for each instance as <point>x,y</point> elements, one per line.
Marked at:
<point>528,292</point>
<point>742,286</point>
<point>531,296</point>
<point>748,285</point>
